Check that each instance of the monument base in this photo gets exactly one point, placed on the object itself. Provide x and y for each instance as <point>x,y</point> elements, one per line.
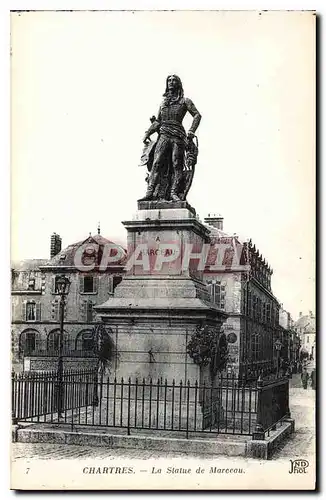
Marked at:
<point>157,308</point>
<point>163,204</point>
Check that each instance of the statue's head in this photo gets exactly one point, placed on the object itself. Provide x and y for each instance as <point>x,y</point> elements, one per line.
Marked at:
<point>173,85</point>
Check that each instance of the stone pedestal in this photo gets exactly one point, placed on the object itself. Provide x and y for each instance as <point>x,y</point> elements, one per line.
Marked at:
<point>161,300</point>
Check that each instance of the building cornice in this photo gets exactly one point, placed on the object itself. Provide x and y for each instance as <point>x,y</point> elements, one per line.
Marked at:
<point>74,269</point>
<point>263,289</point>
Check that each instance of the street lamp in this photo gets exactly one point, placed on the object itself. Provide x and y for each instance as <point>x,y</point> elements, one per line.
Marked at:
<point>62,288</point>
<point>278,346</point>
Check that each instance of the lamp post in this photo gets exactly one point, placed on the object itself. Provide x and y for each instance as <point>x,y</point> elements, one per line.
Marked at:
<point>62,288</point>
<point>278,346</point>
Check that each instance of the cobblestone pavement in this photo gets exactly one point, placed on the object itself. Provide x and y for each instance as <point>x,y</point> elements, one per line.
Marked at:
<point>301,443</point>
<point>58,451</point>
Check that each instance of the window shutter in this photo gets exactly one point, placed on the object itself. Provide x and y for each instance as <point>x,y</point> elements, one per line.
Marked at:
<point>111,285</point>
<point>95,284</point>
<point>81,284</point>
<point>38,312</point>
<point>53,284</point>
<point>24,311</point>
<point>89,312</point>
<point>209,287</point>
<point>53,311</point>
<point>217,293</point>
<point>84,310</point>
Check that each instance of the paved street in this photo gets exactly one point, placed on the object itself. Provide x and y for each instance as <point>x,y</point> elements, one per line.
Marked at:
<point>300,444</point>
<point>302,405</point>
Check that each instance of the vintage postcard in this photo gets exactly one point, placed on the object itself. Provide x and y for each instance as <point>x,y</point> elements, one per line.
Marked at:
<point>162,256</point>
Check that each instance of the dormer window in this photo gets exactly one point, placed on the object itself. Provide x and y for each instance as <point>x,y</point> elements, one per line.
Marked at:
<point>31,284</point>
<point>89,255</point>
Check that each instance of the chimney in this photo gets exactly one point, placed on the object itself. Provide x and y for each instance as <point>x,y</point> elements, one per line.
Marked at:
<point>215,220</point>
<point>300,314</point>
<point>55,245</point>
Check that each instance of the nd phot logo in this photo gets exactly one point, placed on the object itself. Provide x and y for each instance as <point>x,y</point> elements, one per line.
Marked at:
<point>298,466</point>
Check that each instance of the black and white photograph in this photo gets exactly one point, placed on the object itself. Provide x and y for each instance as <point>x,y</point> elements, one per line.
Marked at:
<point>163,241</point>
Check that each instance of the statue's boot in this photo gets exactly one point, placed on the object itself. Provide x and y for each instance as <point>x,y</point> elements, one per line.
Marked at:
<point>147,197</point>
<point>174,189</point>
<point>174,197</point>
<point>150,191</point>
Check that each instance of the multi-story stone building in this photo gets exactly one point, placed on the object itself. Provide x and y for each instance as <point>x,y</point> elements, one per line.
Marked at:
<point>241,285</point>
<point>35,301</point>
<point>238,277</point>
<point>305,326</point>
<point>289,338</point>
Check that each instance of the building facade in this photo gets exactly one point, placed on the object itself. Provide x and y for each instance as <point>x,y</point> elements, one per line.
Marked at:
<point>241,286</point>
<point>289,338</point>
<point>305,326</point>
<point>239,282</point>
<point>35,300</point>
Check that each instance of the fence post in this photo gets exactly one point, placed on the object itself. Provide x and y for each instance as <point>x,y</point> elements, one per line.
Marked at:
<point>259,433</point>
<point>288,412</point>
<point>95,389</point>
<point>14,418</point>
<point>128,423</point>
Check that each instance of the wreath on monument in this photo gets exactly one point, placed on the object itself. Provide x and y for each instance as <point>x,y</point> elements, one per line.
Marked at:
<point>104,347</point>
<point>205,349</point>
<point>201,345</point>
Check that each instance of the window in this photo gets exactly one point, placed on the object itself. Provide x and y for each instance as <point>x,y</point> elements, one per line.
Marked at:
<point>85,341</point>
<point>88,342</point>
<point>255,347</point>
<point>53,342</point>
<point>31,284</point>
<point>217,293</point>
<point>254,307</point>
<point>249,303</point>
<point>27,342</point>
<point>268,313</point>
<point>307,339</point>
<point>55,289</point>
<point>113,283</point>
<point>88,284</point>
<point>30,311</point>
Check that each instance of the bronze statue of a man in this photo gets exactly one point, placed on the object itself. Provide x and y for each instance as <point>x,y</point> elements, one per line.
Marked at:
<point>172,139</point>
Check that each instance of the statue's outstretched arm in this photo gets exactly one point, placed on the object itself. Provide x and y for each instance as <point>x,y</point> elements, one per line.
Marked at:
<point>196,116</point>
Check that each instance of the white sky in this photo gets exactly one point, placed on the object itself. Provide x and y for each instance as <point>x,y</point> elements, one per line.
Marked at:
<point>84,85</point>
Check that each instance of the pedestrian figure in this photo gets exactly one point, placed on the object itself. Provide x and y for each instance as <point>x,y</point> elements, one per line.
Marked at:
<point>313,379</point>
<point>304,377</point>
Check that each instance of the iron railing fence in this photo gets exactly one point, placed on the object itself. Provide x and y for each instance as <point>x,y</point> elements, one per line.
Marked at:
<point>35,395</point>
<point>231,406</point>
<point>272,405</point>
